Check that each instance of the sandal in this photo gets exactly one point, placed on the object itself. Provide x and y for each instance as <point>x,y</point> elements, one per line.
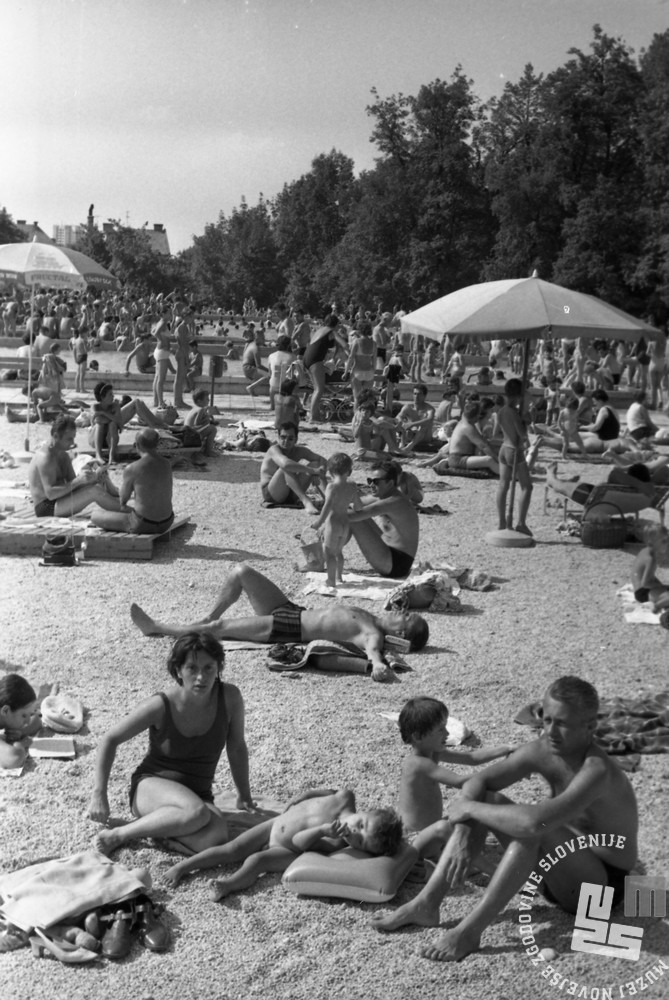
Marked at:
<point>153,933</point>
<point>12,937</point>
<point>65,952</point>
<point>116,942</point>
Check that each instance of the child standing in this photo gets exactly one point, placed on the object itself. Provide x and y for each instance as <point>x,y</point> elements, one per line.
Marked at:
<point>646,585</point>
<point>80,354</point>
<point>195,365</point>
<point>567,424</point>
<point>423,725</point>
<point>552,397</point>
<point>18,704</point>
<point>333,518</point>
<point>322,819</point>
<point>512,451</point>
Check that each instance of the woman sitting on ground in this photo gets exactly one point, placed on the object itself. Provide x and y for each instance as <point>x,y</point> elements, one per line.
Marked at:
<point>171,794</point>
<point>110,417</point>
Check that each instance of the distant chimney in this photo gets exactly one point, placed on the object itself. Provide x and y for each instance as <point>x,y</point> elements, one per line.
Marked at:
<point>107,227</point>
<point>35,223</point>
<point>20,222</point>
<point>157,227</point>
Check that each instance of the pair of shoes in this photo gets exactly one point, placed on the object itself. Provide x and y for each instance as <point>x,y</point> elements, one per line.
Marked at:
<point>142,916</point>
<point>152,931</point>
<point>69,954</point>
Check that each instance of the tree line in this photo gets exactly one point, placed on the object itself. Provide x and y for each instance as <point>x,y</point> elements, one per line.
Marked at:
<point>566,173</point>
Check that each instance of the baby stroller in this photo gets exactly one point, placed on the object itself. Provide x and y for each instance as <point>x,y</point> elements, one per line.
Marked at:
<point>337,402</point>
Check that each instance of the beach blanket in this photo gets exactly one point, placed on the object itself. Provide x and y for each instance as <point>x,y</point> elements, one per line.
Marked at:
<point>466,473</point>
<point>323,655</point>
<point>635,613</point>
<point>356,585</point>
<point>625,725</point>
<point>435,508</point>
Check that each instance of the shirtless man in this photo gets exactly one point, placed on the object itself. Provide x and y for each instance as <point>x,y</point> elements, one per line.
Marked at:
<point>277,620</point>
<point>390,546</point>
<point>289,468</point>
<point>590,799</point>
<point>466,443</point>
<point>142,352</point>
<point>150,479</point>
<point>416,420</point>
<point>54,488</point>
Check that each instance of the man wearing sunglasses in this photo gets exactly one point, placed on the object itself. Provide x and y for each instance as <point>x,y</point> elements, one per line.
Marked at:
<point>390,545</point>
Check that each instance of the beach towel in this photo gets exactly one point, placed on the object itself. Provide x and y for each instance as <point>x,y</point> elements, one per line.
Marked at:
<point>356,585</point>
<point>444,587</point>
<point>52,891</point>
<point>624,725</point>
<point>467,473</point>
<point>435,508</point>
<point>322,655</point>
<point>635,613</point>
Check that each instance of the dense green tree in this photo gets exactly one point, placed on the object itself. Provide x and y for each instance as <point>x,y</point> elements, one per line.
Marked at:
<point>9,232</point>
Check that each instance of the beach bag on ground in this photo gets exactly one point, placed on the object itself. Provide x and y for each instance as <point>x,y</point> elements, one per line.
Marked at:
<point>58,550</point>
<point>603,530</point>
<point>312,557</point>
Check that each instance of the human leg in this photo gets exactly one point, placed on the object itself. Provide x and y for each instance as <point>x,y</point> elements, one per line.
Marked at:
<point>317,374</point>
<point>159,382</point>
<point>166,808</point>
<point>263,595</point>
<point>368,536</point>
<point>232,853</point>
<point>482,462</point>
<point>79,499</point>
<point>505,474</point>
<point>274,859</point>
<point>525,495</point>
<point>298,484</point>
<point>138,408</point>
<point>180,381</point>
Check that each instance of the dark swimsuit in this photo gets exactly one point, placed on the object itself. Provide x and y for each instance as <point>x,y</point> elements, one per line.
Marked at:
<point>401,564</point>
<point>45,508</point>
<point>615,878</point>
<point>188,760</point>
<point>610,429</point>
<point>286,623</point>
<point>318,349</point>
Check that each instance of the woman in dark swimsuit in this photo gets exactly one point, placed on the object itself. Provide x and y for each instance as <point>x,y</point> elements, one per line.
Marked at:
<point>189,725</point>
<point>322,340</point>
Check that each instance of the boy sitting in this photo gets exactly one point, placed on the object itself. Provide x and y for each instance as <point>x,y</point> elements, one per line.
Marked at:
<point>423,726</point>
<point>319,819</point>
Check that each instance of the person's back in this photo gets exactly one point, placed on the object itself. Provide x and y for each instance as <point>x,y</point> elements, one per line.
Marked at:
<point>153,487</point>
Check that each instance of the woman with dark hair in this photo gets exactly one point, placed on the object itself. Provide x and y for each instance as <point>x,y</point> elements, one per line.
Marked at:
<point>322,340</point>
<point>189,726</point>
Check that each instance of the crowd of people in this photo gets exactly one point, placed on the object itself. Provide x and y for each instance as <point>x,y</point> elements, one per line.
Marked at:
<point>199,715</point>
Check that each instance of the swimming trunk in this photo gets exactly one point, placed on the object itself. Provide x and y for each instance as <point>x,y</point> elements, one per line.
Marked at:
<point>615,878</point>
<point>145,526</point>
<point>582,493</point>
<point>251,372</point>
<point>45,508</point>
<point>160,354</point>
<point>506,456</point>
<point>401,564</point>
<point>148,368</point>
<point>458,461</point>
<point>286,623</point>
<point>639,433</point>
<point>394,373</point>
<point>381,353</point>
<point>642,595</point>
<point>292,500</point>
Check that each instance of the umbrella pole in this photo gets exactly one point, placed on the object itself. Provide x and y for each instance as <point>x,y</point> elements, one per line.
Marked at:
<point>523,380</point>
<point>26,443</point>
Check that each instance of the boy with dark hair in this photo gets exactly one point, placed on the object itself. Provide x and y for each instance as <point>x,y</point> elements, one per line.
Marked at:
<point>340,495</point>
<point>591,809</point>
<point>511,458</point>
<point>423,725</point>
<point>321,819</point>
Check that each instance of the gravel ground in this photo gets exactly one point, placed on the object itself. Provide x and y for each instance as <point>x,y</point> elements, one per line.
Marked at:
<point>553,610</point>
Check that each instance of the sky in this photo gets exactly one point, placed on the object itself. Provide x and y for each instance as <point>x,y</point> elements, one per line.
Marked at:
<point>171,110</point>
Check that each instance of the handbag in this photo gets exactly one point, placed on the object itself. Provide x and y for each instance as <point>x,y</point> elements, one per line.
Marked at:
<point>58,550</point>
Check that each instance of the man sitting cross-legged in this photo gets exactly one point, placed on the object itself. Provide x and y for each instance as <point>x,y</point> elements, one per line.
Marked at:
<point>591,810</point>
<point>277,620</point>
<point>288,469</point>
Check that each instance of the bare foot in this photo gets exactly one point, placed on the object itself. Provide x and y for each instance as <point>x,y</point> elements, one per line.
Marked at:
<point>524,530</point>
<point>311,509</point>
<point>219,889</point>
<point>411,913</point>
<point>143,622</point>
<point>107,841</point>
<point>174,875</point>
<point>452,946</point>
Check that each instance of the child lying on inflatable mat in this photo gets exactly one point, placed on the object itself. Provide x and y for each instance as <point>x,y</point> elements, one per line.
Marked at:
<point>319,819</point>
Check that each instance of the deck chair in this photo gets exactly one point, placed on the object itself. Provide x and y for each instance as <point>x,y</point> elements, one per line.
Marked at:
<point>611,495</point>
